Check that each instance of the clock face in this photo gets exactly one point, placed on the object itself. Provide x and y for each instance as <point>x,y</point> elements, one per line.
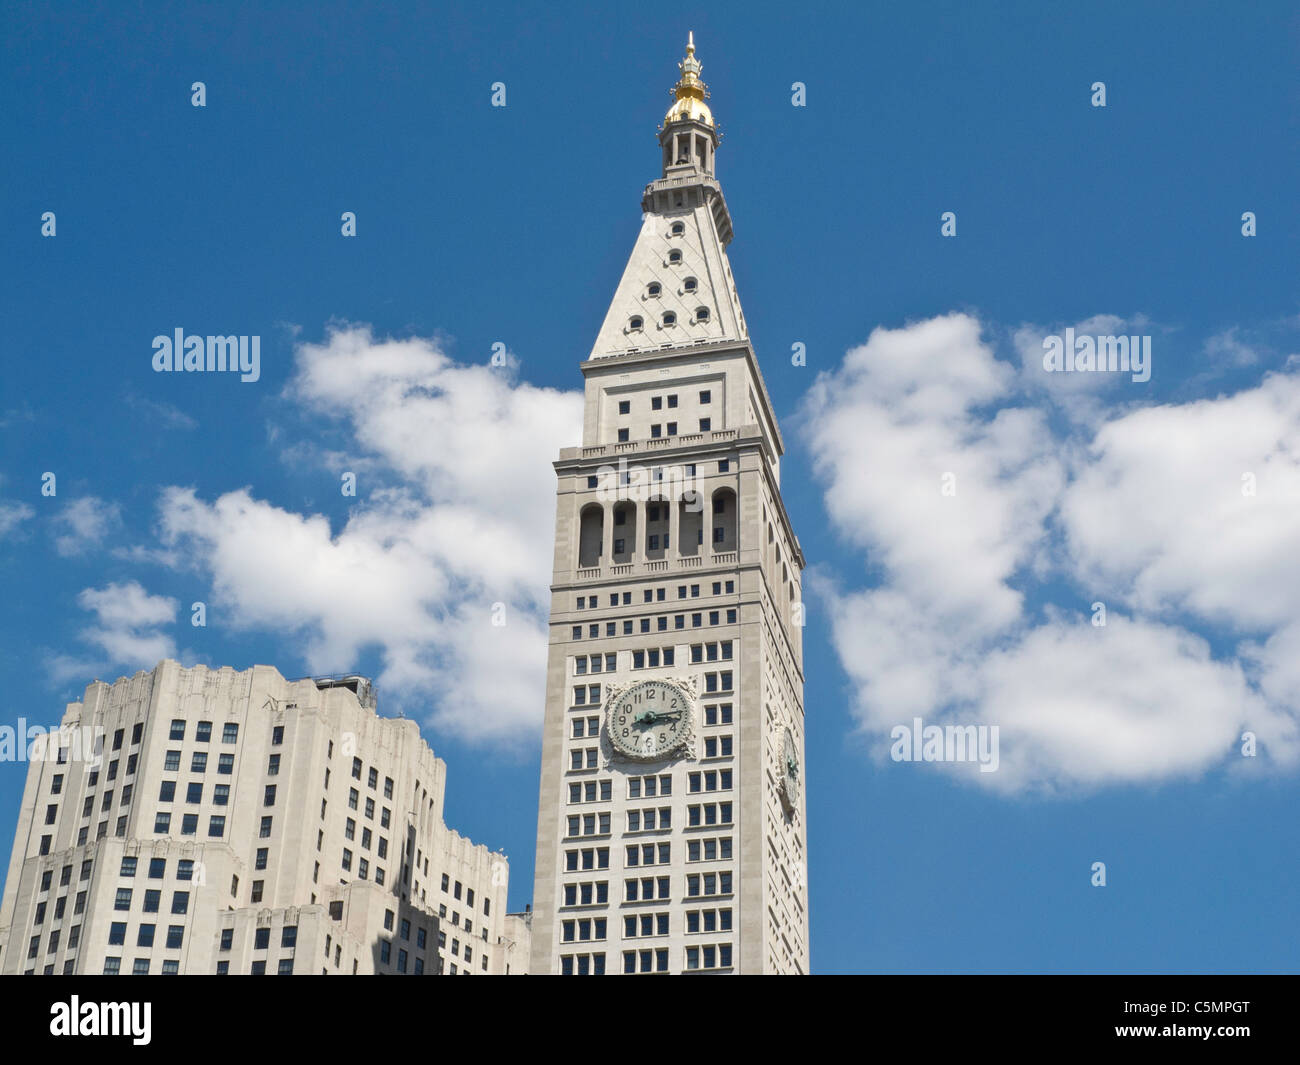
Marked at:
<point>790,769</point>
<point>649,720</point>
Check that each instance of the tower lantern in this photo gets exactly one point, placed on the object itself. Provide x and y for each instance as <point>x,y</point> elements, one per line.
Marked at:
<point>689,136</point>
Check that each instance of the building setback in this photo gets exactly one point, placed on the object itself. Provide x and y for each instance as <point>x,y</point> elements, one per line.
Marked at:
<point>239,822</point>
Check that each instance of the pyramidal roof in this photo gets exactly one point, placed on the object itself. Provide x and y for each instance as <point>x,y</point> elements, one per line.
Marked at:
<point>677,289</point>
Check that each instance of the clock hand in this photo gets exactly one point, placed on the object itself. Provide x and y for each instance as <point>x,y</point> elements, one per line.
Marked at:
<point>651,716</point>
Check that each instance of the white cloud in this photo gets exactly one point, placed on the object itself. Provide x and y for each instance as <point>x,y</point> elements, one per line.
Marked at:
<point>1228,348</point>
<point>455,512</point>
<point>1085,398</point>
<point>1145,513</point>
<point>126,633</point>
<point>88,520</point>
<point>12,515</point>
<point>161,414</point>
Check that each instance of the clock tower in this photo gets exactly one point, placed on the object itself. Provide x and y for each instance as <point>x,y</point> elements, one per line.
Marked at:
<point>671,832</point>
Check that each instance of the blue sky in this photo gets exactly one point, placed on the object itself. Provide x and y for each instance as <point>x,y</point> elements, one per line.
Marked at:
<point>479,225</point>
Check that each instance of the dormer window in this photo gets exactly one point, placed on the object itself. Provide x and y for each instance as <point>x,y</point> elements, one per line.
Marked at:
<point>678,229</point>
<point>670,317</point>
<point>635,322</point>
<point>674,256</point>
<point>701,314</point>
<point>690,284</point>
<point>653,289</point>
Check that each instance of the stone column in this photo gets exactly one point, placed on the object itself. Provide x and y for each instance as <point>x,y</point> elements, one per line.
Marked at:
<point>638,537</point>
<point>674,526</point>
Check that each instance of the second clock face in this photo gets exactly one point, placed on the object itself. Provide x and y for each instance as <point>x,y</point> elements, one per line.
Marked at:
<point>649,720</point>
<point>790,769</point>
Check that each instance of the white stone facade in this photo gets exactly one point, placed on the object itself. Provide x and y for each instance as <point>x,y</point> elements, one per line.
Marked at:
<point>675,560</point>
<point>227,807</point>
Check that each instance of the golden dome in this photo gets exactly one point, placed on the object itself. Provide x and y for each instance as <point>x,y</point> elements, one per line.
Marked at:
<point>689,91</point>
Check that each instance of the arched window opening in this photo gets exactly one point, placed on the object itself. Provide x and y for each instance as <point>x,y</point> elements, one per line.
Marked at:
<point>591,535</point>
<point>723,520</point>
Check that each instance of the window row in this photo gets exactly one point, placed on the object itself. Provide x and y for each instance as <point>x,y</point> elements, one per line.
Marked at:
<point>157,868</point>
<point>708,850</point>
<point>65,876</point>
<point>584,757</point>
<point>152,899</point>
<point>363,869</point>
<point>649,787</point>
<point>140,967</point>
<point>709,780</point>
<point>581,931</point>
<point>372,778</point>
<point>582,663</point>
<point>194,793</point>
<point>354,803</point>
<point>705,884</point>
<point>145,935</point>
<point>658,430</point>
<point>593,893</point>
<point>659,624</point>
<point>588,858</point>
<point>711,652</point>
<point>52,945</point>
<point>717,714</point>
<point>647,889</point>
<point>710,957</point>
<point>585,726</point>
<point>586,693</point>
<point>591,791</point>
<point>717,747</point>
<point>668,318</point>
<point>588,825</point>
<point>656,476</point>
<point>649,820</point>
<point>698,921</point>
<point>455,892</point>
<point>162,824</point>
<point>647,854</point>
<point>203,731</point>
<point>645,961</point>
<point>644,925</point>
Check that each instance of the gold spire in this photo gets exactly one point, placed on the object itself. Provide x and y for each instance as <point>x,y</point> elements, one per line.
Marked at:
<point>690,91</point>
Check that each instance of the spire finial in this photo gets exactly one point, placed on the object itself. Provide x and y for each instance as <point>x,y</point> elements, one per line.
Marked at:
<point>690,91</point>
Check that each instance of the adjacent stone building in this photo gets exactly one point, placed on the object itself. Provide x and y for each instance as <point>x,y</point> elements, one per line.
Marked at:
<point>239,822</point>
